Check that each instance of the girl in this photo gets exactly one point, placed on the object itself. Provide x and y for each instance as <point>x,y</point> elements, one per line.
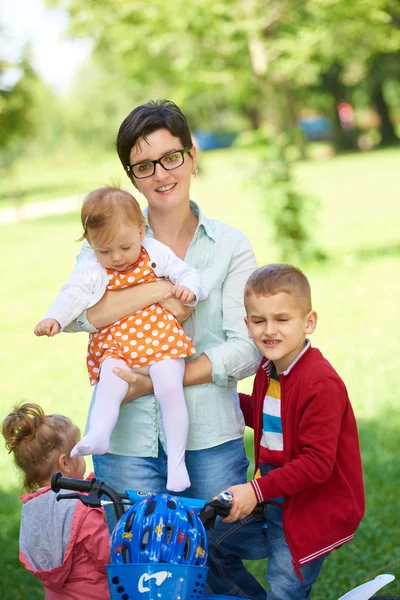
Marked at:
<point>114,227</point>
<point>64,544</point>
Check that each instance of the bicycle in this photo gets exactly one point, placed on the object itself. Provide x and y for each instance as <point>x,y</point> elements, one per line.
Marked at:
<point>166,580</point>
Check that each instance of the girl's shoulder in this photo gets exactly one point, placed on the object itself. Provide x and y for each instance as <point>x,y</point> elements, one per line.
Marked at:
<point>153,245</point>
<point>87,269</point>
<point>157,251</point>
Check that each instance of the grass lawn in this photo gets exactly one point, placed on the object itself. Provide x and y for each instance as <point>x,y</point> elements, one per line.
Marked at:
<point>356,293</point>
<point>65,173</point>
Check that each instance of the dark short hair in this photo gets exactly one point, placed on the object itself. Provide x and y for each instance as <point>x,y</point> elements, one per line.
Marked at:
<point>149,117</point>
<point>274,278</point>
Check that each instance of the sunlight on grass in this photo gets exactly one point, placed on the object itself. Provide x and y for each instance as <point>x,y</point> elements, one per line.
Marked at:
<point>60,175</point>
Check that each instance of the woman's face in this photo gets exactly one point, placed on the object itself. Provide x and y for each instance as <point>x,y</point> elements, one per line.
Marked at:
<point>165,189</point>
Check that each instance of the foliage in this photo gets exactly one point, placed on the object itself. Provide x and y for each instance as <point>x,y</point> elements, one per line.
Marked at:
<point>291,211</point>
<point>192,52</point>
<point>95,103</point>
<point>30,119</point>
<point>16,117</point>
<point>250,59</point>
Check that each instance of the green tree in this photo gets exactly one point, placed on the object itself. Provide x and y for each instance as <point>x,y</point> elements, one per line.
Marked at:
<point>250,60</point>
<point>28,110</point>
<point>16,118</point>
<point>334,46</point>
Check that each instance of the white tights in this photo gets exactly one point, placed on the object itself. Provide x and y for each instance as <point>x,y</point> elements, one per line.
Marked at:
<point>167,377</point>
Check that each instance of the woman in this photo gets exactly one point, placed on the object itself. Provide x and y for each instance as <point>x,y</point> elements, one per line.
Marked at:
<point>155,147</point>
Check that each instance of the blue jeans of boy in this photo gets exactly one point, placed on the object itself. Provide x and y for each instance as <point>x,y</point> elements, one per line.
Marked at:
<point>211,471</point>
<point>246,539</point>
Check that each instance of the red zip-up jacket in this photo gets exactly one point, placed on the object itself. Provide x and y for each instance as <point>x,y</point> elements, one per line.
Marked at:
<point>321,478</point>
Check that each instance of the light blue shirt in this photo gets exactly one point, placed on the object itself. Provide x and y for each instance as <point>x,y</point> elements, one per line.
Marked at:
<point>224,258</point>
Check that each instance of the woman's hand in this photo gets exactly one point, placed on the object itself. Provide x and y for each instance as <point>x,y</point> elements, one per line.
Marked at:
<point>117,304</point>
<point>139,385</point>
<point>180,311</point>
<point>244,502</point>
<point>197,371</point>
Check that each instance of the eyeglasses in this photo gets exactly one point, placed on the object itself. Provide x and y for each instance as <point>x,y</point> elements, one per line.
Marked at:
<point>169,162</point>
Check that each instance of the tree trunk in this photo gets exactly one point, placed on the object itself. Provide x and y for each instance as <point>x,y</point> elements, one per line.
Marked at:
<point>293,128</point>
<point>386,128</point>
<point>254,116</point>
<point>333,85</point>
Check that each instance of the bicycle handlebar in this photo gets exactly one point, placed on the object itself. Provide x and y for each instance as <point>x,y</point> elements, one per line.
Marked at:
<point>208,511</point>
<point>94,488</point>
<point>58,482</point>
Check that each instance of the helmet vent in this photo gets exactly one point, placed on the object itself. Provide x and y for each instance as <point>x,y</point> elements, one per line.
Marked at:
<point>129,521</point>
<point>171,504</point>
<point>186,550</point>
<point>145,538</point>
<point>150,507</point>
<point>168,534</point>
<point>125,554</point>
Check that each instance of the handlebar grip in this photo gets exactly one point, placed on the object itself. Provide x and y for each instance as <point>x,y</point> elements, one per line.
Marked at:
<point>93,487</point>
<point>58,482</point>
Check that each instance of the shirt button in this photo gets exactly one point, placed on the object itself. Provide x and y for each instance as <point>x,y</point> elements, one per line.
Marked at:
<point>153,265</point>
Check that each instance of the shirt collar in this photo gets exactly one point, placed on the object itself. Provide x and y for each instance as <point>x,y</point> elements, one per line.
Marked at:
<point>267,366</point>
<point>204,222</point>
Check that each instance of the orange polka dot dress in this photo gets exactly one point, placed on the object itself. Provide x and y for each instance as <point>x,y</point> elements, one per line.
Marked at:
<point>143,338</point>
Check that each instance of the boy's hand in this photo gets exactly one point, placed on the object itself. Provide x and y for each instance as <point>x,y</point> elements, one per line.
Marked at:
<point>47,327</point>
<point>244,502</point>
<point>182,293</point>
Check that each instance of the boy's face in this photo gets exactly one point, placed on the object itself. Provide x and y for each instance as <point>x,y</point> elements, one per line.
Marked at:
<point>278,325</point>
<point>123,250</point>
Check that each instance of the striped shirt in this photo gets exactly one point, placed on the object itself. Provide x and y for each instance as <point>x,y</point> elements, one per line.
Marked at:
<point>271,443</point>
<point>271,451</point>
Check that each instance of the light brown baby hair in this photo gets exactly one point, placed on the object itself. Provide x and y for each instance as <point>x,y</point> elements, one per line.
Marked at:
<point>274,278</point>
<point>37,440</point>
<point>105,209</point>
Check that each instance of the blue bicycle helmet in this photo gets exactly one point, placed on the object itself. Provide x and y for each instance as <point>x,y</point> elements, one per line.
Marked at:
<point>159,529</point>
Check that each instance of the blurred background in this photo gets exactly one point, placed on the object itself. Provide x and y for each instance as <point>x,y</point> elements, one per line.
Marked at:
<point>295,109</point>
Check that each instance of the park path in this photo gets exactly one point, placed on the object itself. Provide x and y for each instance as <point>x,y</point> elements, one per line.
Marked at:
<point>35,210</point>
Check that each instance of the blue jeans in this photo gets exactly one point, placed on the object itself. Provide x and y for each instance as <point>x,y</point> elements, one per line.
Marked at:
<point>210,470</point>
<point>247,540</point>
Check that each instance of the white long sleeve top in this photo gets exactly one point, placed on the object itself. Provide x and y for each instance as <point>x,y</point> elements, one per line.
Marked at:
<point>88,281</point>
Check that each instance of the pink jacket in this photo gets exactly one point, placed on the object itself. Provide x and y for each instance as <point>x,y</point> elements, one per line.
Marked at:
<point>66,545</point>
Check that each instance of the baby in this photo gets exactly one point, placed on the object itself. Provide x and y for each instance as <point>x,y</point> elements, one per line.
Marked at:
<point>115,229</point>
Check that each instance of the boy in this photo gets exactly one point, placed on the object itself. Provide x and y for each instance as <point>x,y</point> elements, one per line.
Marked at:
<point>307,456</point>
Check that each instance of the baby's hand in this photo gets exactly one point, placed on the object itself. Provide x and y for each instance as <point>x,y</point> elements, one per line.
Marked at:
<point>182,293</point>
<point>47,327</point>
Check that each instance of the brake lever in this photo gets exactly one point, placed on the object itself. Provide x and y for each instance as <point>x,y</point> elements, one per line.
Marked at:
<point>210,511</point>
<point>214,508</point>
<point>92,500</point>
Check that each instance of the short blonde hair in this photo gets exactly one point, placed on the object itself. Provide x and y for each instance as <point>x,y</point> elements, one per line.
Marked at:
<point>274,278</point>
<point>36,440</point>
<point>103,211</point>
